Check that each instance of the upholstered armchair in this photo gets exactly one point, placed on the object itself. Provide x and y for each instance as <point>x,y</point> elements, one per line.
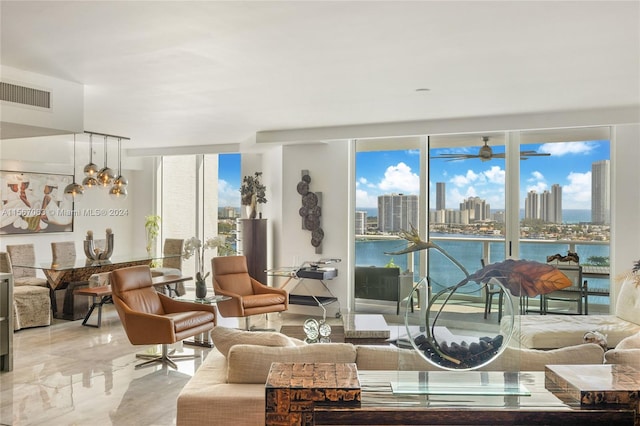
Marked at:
<point>151,318</point>
<point>248,296</point>
<point>31,303</point>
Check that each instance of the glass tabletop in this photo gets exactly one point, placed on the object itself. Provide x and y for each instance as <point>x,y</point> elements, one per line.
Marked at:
<point>82,262</point>
<point>206,301</point>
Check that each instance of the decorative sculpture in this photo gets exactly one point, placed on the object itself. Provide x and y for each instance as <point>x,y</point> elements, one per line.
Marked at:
<point>311,211</point>
<point>514,277</point>
<point>96,253</point>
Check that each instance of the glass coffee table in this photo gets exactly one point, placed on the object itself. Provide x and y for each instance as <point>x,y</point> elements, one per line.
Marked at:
<point>203,339</point>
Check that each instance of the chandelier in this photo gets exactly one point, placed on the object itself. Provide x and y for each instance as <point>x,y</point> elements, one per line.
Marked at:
<point>104,177</point>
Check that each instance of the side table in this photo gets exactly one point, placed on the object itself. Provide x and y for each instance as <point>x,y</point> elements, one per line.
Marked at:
<point>203,339</point>
<point>294,389</point>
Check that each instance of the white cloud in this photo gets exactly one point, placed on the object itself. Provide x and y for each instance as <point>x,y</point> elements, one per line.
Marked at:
<point>566,148</point>
<point>401,179</point>
<point>539,187</point>
<point>454,198</point>
<point>495,175</point>
<point>536,183</point>
<point>536,176</point>
<point>462,180</point>
<point>577,194</point>
<point>365,200</point>
<point>227,195</point>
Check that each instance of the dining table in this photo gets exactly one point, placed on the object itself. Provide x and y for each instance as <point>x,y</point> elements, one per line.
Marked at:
<point>67,275</point>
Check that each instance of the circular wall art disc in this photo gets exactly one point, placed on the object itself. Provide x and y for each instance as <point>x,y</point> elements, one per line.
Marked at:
<point>312,222</point>
<point>303,188</point>
<point>310,200</point>
<point>306,178</point>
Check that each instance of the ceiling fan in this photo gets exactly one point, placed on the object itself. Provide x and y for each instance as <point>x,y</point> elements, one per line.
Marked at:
<point>486,153</point>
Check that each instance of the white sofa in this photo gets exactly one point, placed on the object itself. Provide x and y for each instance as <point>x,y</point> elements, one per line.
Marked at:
<point>557,331</point>
<point>228,388</point>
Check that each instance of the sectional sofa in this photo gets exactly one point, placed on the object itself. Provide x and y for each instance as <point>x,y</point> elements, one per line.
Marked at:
<point>228,388</point>
<point>557,331</point>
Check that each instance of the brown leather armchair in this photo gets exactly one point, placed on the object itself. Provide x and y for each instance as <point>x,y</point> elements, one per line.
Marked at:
<point>248,296</point>
<point>151,318</point>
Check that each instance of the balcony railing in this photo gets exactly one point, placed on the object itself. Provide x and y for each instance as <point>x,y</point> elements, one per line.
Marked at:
<point>470,250</point>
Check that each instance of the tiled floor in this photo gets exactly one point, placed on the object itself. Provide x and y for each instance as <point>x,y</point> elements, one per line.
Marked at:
<point>67,374</point>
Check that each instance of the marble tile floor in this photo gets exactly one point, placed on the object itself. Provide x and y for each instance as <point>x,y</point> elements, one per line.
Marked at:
<point>67,374</point>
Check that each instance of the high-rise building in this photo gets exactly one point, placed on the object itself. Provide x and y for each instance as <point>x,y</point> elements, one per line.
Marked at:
<point>556,204</point>
<point>600,194</point>
<point>546,206</point>
<point>440,196</point>
<point>531,206</point>
<point>397,212</point>
<point>361,223</point>
<point>478,208</point>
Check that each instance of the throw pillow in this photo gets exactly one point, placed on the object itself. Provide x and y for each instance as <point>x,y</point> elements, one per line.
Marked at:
<point>224,338</point>
<point>628,304</point>
<point>631,342</point>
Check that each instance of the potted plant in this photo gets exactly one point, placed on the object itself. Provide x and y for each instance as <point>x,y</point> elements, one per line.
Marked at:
<point>152,228</point>
<point>252,193</point>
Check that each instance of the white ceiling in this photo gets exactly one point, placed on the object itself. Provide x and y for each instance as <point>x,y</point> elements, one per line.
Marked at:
<point>194,73</point>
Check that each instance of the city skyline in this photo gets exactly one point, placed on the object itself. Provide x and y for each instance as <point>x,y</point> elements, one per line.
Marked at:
<point>384,172</point>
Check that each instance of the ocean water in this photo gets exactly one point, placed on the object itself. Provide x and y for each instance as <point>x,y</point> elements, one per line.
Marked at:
<point>444,273</point>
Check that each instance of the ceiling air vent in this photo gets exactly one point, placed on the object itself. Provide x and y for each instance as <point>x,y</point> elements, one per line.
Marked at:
<point>25,95</point>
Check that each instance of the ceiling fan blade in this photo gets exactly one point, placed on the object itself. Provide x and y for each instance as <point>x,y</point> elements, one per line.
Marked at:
<point>454,157</point>
<point>534,154</point>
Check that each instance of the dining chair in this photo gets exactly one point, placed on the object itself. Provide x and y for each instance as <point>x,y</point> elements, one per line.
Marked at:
<point>73,307</point>
<point>172,251</point>
<point>31,303</point>
<point>491,290</point>
<point>151,318</point>
<point>24,254</point>
<point>247,295</point>
<point>576,293</point>
<point>63,253</point>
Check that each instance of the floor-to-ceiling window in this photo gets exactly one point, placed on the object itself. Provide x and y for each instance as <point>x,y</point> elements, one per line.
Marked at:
<point>466,204</point>
<point>387,203</point>
<point>558,181</point>
<point>491,195</point>
<point>200,198</point>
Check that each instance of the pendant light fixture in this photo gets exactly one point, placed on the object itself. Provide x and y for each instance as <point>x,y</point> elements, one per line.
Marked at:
<point>74,191</point>
<point>105,175</point>
<point>91,169</point>
<point>119,188</point>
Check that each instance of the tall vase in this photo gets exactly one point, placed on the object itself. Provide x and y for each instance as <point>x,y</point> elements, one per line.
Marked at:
<point>201,289</point>
<point>251,209</point>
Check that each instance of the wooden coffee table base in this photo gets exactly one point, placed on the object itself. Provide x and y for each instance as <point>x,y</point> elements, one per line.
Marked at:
<point>293,390</point>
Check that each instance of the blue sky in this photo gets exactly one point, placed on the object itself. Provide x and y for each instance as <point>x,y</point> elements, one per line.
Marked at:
<point>569,166</point>
<point>229,180</point>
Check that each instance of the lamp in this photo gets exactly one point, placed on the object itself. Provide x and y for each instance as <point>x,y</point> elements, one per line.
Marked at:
<point>105,175</point>
<point>91,169</point>
<point>74,191</point>
<point>119,188</point>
